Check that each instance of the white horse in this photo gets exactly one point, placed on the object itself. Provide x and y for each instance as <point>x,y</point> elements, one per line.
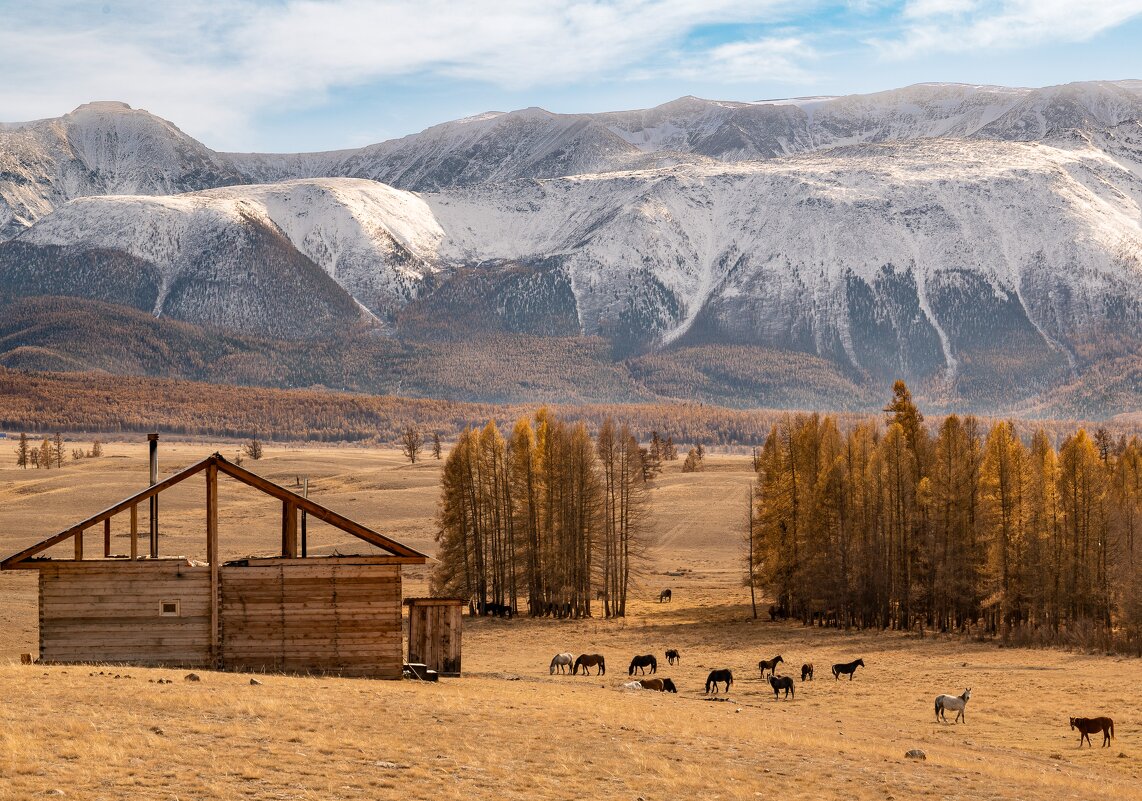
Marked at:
<point>562,661</point>
<point>955,702</point>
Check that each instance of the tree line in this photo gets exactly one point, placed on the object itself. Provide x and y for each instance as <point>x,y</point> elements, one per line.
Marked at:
<point>895,526</point>
<point>535,521</point>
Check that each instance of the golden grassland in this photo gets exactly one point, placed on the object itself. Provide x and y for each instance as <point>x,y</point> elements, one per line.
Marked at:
<point>510,730</point>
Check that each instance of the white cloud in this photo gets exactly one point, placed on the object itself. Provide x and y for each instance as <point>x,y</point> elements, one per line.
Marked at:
<point>763,60</point>
<point>220,64</point>
<point>965,25</point>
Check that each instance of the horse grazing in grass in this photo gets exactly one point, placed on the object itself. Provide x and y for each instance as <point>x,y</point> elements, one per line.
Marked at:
<point>1088,726</point>
<point>769,664</point>
<point>958,703</point>
<point>665,595</point>
<point>673,656</point>
<point>807,671</point>
<point>719,676</point>
<point>563,662</point>
<point>588,661</point>
<point>642,663</point>
<point>779,683</point>
<point>848,667</point>
<point>662,685</point>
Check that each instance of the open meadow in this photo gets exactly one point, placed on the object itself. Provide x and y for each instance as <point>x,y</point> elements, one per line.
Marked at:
<point>509,729</point>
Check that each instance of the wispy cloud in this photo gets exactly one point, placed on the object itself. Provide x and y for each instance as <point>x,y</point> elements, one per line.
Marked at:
<point>220,63</point>
<point>967,25</point>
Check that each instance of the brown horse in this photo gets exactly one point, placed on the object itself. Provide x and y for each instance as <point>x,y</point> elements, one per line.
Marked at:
<point>665,596</point>
<point>589,661</point>
<point>662,685</point>
<point>673,656</point>
<point>779,683</point>
<point>807,671</point>
<point>769,664</point>
<point>1088,726</point>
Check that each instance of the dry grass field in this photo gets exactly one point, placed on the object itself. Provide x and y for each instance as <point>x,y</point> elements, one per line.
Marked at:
<point>508,729</point>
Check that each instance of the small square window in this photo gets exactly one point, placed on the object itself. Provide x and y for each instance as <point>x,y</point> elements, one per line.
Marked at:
<point>168,608</point>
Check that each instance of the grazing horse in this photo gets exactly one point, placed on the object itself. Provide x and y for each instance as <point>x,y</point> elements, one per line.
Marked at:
<point>673,656</point>
<point>807,671</point>
<point>957,702</point>
<point>665,595</point>
<point>1087,726</point>
<point>719,675</point>
<point>562,661</point>
<point>779,683</point>
<point>589,661</point>
<point>769,664</point>
<point>642,663</point>
<point>847,667</point>
<point>662,685</point>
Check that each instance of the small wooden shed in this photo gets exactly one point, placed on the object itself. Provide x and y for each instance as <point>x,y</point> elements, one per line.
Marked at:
<point>283,613</point>
<point>434,627</point>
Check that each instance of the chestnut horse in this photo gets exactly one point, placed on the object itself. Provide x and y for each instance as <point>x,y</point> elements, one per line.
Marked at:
<point>662,685</point>
<point>769,664</point>
<point>589,661</point>
<point>1088,726</point>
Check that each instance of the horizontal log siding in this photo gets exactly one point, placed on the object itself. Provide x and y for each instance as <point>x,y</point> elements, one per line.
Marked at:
<point>316,615</point>
<point>109,612</point>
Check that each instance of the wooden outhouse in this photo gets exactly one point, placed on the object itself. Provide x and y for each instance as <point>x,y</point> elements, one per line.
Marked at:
<point>434,633</point>
<point>291,612</point>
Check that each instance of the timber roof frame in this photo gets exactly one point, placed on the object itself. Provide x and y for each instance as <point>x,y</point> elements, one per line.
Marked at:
<point>216,463</point>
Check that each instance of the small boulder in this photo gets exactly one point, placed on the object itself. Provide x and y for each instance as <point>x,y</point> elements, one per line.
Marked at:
<point>191,677</point>
<point>255,683</point>
<point>916,753</point>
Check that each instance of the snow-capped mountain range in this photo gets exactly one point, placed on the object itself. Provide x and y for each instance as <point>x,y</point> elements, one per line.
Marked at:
<point>980,239</point>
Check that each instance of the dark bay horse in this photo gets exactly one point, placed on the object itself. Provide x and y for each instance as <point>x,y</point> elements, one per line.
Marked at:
<point>769,664</point>
<point>847,667</point>
<point>779,683</point>
<point>665,595</point>
<point>807,671</point>
<point>589,661</point>
<point>719,676</point>
<point>662,685</point>
<point>642,663</point>
<point>1088,726</point>
<point>673,656</point>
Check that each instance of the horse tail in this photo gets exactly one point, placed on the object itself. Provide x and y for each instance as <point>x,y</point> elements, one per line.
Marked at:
<point>1112,729</point>
<point>937,709</point>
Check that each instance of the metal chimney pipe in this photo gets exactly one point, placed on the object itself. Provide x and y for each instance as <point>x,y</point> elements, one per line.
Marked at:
<point>153,444</point>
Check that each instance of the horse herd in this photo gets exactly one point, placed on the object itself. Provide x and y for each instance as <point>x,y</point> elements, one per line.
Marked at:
<point>567,662</point>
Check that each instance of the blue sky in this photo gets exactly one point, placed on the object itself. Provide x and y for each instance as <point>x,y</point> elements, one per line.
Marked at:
<point>285,75</point>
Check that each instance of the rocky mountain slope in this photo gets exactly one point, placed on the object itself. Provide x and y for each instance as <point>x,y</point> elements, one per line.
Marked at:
<point>982,242</point>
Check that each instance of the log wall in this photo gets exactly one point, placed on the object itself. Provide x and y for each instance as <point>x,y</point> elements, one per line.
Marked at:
<point>314,615</point>
<point>109,612</point>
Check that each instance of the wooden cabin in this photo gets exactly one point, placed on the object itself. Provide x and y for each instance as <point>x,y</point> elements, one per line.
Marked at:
<point>434,629</point>
<point>290,612</point>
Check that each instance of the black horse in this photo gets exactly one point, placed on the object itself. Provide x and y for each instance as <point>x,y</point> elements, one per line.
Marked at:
<point>779,683</point>
<point>719,676</point>
<point>673,656</point>
<point>807,671</point>
<point>665,595</point>
<point>642,663</point>
<point>847,667</point>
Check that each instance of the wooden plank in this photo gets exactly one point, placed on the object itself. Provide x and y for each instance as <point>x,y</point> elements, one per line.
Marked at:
<point>111,511</point>
<point>106,538</point>
<point>79,545</point>
<point>289,530</point>
<point>134,531</point>
<point>212,557</point>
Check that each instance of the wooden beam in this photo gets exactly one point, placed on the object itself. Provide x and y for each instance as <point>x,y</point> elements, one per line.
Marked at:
<point>289,530</point>
<point>318,511</point>
<point>134,532</point>
<point>213,558</point>
<point>127,503</point>
<point>79,545</point>
<point>107,538</point>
